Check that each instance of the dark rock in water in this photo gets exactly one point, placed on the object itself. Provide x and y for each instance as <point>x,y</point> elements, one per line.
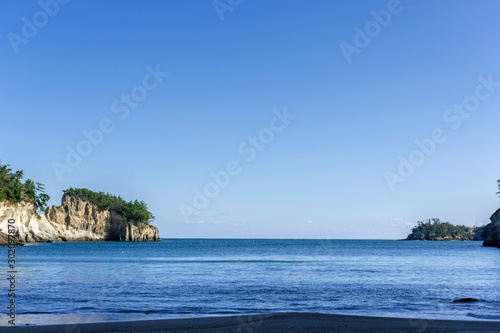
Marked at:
<point>465,300</point>
<point>491,232</point>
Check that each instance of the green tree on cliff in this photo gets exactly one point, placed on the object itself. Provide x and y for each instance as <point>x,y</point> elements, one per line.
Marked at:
<point>498,184</point>
<point>13,188</point>
<point>134,211</point>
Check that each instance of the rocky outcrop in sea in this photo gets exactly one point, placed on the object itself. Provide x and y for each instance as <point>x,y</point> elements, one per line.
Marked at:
<point>491,231</point>
<point>74,220</point>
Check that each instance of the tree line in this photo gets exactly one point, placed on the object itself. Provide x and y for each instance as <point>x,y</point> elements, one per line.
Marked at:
<point>135,211</point>
<point>14,189</point>
<point>436,229</point>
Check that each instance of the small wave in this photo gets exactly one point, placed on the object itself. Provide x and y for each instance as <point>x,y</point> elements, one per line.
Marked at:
<point>351,307</point>
<point>219,261</point>
<point>190,311</point>
<point>130,311</point>
<point>486,317</point>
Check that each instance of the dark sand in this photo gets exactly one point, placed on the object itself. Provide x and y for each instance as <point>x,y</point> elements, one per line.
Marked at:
<point>277,322</point>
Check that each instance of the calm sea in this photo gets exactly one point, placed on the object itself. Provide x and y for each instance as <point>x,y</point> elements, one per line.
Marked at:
<point>79,282</point>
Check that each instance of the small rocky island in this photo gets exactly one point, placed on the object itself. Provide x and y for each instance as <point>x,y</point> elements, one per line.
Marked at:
<point>435,230</point>
<point>83,215</point>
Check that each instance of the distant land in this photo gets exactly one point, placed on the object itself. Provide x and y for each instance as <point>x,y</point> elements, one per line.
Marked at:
<point>436,230</point>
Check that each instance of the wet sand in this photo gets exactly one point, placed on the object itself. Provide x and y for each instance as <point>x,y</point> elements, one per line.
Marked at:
<point>277,322</point>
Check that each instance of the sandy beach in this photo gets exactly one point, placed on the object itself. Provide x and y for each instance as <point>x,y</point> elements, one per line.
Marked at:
<point>277,322</point>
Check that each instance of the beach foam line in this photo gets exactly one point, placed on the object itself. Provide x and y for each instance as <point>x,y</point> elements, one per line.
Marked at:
<point>274,322</point>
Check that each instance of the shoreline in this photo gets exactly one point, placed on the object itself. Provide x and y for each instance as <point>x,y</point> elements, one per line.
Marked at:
<point>274,322</point>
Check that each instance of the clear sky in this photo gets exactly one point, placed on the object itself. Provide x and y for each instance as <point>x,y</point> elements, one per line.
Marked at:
<point>307,113</point>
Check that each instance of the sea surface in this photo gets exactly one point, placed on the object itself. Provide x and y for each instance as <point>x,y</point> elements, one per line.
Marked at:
<point>178,278</point>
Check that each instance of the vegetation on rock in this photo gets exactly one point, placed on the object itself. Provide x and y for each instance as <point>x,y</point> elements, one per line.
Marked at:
<point>498,184</point>
<point>13,188</point>
<point>134,211</point>
<point>434,229</point>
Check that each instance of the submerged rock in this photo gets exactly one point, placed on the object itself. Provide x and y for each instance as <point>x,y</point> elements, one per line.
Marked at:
<point>465,300</point>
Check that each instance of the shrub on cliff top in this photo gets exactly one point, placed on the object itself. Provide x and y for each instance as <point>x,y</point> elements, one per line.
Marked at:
<point>134,211</point>
<point>12,188</point>
<point>498,183</point>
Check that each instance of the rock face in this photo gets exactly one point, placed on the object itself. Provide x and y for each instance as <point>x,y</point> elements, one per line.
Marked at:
<point>491,232</point>
<point>4,240</point>
<point>74,220</point>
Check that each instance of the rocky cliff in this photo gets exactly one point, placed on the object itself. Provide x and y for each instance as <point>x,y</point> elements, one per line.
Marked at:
<point>491,232</point>
<point>74,220</point>
<point>4,240</point>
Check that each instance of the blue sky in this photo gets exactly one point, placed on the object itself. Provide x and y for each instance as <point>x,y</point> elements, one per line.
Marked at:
<point>321,174</point>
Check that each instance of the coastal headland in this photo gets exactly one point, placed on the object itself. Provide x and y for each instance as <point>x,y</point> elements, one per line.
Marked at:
<point>83,215</point>
<point>74,220</point>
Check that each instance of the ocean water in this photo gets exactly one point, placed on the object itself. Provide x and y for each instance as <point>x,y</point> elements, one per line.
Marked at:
<point>177,278</point>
